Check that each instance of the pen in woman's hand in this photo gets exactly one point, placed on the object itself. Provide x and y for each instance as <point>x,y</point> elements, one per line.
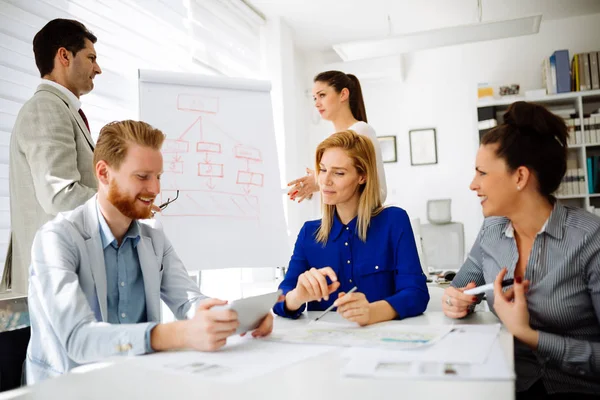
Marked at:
<point>332,306</point>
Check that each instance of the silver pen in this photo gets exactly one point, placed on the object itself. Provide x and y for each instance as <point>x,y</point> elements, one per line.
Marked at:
<point>332,304</point>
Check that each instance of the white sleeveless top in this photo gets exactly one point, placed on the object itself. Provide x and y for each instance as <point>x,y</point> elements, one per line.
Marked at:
<point>362,128</point>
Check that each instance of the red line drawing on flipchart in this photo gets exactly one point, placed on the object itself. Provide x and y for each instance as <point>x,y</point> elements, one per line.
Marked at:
<point>219,160</point>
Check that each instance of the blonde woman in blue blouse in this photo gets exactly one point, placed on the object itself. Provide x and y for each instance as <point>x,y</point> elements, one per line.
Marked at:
<point>357,242</point>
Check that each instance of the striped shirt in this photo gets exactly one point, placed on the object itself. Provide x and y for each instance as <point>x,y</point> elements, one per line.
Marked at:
<point>563,297</point>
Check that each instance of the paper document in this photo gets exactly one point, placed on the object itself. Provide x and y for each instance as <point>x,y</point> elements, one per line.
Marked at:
<point>386,335</point>
<point>495,368</point>
<point>465,344</point>
<point>240,359</point>
<point>468,353</point>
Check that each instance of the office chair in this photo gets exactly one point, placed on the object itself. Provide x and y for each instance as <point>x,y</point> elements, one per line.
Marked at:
<point>443,239</point>
<point>416,227</point>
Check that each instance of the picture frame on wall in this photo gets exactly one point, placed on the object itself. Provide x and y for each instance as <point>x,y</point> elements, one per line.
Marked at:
<point>388,148</point>
<point>423,146</point>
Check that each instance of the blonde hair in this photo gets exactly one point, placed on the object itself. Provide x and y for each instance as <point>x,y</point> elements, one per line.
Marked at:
<point>362,153</point>
<point>115,137</point>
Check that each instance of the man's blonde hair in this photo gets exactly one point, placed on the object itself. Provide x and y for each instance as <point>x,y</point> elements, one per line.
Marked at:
<point>115,137</point>
<point>361,151</point>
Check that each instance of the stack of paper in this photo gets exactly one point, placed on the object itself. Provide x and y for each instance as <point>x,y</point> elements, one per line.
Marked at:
<point>468,352</point>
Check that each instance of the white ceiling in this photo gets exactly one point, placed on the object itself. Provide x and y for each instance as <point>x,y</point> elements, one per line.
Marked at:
<point>318,24</point>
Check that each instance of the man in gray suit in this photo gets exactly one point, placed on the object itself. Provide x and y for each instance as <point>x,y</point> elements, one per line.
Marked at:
<point>98,272</point>
<point>51,147</point>
<point>50,160</point>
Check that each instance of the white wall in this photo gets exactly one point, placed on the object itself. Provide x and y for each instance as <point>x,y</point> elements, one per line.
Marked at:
<point>286,70</point>
<point>439,91</point>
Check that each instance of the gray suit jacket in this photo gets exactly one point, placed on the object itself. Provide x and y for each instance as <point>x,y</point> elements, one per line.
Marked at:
<point>51,170</point>
<point>68,300</point>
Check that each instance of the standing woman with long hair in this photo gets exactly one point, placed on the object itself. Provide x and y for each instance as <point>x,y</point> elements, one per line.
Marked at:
<point>338,97</point>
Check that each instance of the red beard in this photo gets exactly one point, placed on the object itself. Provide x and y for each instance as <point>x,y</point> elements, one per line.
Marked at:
<point>127,205</point>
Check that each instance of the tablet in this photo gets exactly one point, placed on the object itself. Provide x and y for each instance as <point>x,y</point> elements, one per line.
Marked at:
<point>252,310</point>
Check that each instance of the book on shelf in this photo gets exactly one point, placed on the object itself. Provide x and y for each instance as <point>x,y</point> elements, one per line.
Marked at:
<point>590,168</point>
<point>594,72</point>
<point>584,133</point>
<point>585,71</point>
<point>575,73</point>
<point>593,170</point>
<point>563,71</point>
<point>580,66</point>
<point>547,80</point>
<point>569,115</point>
<point>573,183</point>
<point>573,130</point>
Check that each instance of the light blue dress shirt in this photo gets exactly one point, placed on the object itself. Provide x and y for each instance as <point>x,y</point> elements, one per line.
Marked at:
<point>126,297</point>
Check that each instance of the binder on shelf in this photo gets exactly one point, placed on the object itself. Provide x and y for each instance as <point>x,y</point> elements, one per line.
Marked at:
<point>595,128</point>
<point>553,74</point>
<point>595,172</point>
<point>563,71</point>
<point>570,122</point>
<point>586,71</point>
<point>549,85</point>
<point>581,176</point>
<point>582,85</point>
<point>593,136</point>
<point>578,136</point>
<point>586,130</point>
<point>590,172</point>
<point>573,183</point>
<point>594,70</point>
<point>575,85</point>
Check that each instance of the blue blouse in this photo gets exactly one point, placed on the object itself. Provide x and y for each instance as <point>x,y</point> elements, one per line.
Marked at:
<point>385,267</point>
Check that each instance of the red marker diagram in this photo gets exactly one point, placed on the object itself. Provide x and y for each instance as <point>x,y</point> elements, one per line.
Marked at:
<point>217,175</point>
<point>247,177</point>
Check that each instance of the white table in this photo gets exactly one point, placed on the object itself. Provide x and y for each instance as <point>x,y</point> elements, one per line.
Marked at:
<point>316,378</point>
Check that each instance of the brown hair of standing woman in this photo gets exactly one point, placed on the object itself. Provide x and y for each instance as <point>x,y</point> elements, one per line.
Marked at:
<point>533,137</point>
<point>339,80</point>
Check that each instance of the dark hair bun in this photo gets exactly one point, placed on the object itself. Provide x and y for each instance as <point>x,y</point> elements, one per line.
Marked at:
<point>533,119</point>
<point>533,137</point>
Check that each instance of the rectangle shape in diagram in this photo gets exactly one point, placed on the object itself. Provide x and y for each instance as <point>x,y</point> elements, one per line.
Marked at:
<point>175,167</point>
<point>249,178</point>
<point>208,147</point>
<point>257,179</point>
<point>210,170</point>
<point>249,153</point>
<point>175,146</point>
<point>194,102</point>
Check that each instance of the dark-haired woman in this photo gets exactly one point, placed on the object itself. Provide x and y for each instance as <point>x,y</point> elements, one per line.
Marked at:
<point>552,252</point>
<point>338,97</point>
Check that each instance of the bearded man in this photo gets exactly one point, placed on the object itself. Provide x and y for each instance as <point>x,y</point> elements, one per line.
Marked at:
<point>98,272</point>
